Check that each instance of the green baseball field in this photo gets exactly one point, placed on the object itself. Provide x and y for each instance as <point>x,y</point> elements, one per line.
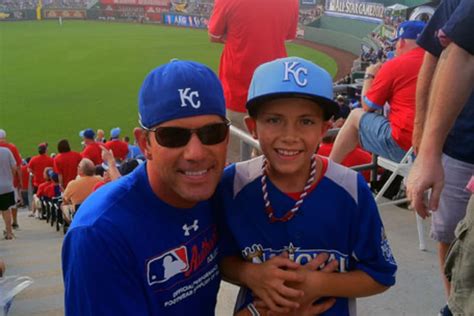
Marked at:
<point>57,80</point>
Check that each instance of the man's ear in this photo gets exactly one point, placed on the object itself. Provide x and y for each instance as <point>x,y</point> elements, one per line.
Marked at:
<point>143,142</point>
<point>251,124</point>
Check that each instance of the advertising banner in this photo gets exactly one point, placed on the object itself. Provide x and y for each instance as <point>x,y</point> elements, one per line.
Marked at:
<point>15,15</point>
<point>185,20</point>
<point>130,12</point>
<point>355,7</point>
<point>159,3</point>
<point>65,14</point>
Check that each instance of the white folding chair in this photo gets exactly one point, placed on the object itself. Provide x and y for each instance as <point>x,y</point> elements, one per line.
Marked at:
<point>400,169</point>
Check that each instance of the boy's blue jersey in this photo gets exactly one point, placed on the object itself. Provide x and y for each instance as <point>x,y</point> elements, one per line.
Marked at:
<point>339,217</point>
<point>129,253</point>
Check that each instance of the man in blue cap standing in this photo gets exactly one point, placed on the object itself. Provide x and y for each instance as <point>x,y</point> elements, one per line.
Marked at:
<point>394,83</point>
<point>146,244</point>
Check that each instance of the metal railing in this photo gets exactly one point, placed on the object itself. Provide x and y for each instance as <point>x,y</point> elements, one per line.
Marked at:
<point>247,143</point>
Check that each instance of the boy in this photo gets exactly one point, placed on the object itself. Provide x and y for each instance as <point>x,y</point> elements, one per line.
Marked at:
<point>292,202</point>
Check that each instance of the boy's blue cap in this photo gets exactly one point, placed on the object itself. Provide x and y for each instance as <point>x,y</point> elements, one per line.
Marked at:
<point>115,132</point>
<point>179,89</point>
<point>292,77</point>
<point>87,133</point>
<point>409,30</point>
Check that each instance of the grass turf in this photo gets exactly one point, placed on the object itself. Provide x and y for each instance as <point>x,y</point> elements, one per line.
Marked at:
<point>57,80</point>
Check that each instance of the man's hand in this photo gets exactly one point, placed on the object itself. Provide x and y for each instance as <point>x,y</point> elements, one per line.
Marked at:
<point>424,175</point>
<point>107,155</point>
<point>373,69</point>
<point>268,283</point>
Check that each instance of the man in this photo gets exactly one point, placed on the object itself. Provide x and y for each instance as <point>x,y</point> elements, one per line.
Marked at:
<point>133,149</point>
<point>66,162</point>
<point>91,149</point>
<point>17,176</point>
<point>146,244</point>
<point>79,189</point>
<point>393,82</point>
<point>38,163</point>
<point>119,148</point>
<point>100,138</point>
<point>254,32</point>
<point>7,196</point>
<point>443,139</point>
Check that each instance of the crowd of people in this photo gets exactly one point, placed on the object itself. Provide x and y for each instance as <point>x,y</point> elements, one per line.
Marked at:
<point>68,174</point>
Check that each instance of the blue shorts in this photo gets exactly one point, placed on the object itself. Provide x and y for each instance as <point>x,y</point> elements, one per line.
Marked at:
<point>375,135</point>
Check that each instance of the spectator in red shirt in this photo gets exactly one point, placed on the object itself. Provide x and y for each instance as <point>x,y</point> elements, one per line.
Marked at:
<point>355,158</point>
<point>92,149</point>
<point>53,189</point>
<point>66,162</point>
<point>118,147</point>
<point>25,176</point>
<point>394,83</point>
<point>16,175</point>
<point>37,165</point>
<point>254,32</point>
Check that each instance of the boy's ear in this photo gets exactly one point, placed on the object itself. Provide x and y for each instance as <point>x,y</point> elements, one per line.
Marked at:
<point>251,126</point>
<point>324,128</point>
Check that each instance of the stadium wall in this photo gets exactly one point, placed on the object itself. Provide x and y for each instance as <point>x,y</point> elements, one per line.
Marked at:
<point>344,41</point>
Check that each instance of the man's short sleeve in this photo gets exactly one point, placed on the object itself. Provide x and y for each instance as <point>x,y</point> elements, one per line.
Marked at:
<point>460,26</point>
<point>218,22</point>
<point>381,89</point>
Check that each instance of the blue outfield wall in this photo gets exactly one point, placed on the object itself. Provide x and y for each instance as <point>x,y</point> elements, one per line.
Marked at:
<point>344,41</point>
<point>343,33</point>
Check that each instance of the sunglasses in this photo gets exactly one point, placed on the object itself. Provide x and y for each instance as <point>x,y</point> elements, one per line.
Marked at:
<point>174,137</point>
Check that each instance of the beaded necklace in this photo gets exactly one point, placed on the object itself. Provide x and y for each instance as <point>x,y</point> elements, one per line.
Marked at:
<point>291,213</point>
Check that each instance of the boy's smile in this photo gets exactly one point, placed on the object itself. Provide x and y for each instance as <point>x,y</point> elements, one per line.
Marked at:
<point>289,131</point>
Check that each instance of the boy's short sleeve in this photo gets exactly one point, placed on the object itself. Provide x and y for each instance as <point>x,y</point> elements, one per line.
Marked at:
<point>372,251</point>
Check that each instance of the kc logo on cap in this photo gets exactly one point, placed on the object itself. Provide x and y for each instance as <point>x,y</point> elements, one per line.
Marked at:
<point>188,95</point>
<point>291,68</point>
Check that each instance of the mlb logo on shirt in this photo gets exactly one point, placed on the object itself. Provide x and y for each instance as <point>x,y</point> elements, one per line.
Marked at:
<point>162,268</point>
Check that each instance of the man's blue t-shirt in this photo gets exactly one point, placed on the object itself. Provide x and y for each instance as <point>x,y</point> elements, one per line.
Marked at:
<point>129,253</point>
<point>455,18</point>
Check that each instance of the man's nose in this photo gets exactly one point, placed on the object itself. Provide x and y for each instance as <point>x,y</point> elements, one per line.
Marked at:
<point>194,149</point>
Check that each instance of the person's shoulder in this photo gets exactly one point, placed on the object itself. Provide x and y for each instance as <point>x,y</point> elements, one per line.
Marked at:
<point>343,177</point>
<point>238,175</point>
<point>109,203</point>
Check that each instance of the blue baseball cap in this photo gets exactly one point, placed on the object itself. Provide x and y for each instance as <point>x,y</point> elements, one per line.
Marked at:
<point>87,133</point>
<point>115,132</point>
<point>179,89</point>
<point>409,30</point>
<point>292,77</point>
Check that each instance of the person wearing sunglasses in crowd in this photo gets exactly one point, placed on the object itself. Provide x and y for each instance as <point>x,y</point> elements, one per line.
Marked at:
<point>146,244</point>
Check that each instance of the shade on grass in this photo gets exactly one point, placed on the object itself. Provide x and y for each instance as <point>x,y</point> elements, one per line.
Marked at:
<point>56,80</point>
